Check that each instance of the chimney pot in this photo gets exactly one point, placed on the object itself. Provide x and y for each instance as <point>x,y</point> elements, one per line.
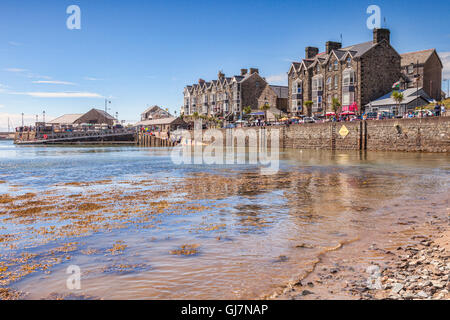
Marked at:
<point>331,45</point>
<point>380,35</point>
<point>253,70</point>
<point>311,52</point>
<point>244,72</point>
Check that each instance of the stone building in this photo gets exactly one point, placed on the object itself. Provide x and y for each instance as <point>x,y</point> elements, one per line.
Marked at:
<point>94,116</point>
<point>426,67</point>
<point>226,97</point>
<point>357,74</point>
<point>155,112</point>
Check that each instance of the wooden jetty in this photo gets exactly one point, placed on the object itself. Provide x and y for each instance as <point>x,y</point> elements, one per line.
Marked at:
<point>105,137</point>
<point>151,140</point>
<point>88,137</point>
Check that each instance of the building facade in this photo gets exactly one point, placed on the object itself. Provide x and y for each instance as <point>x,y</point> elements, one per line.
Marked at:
<point>227,96</point>
<point>155,112</point>
<point>355,74</point>
<point>423,69</point>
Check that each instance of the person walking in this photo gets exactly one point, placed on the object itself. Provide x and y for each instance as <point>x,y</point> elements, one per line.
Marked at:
<point>437,110</point>
<point>442,110</point>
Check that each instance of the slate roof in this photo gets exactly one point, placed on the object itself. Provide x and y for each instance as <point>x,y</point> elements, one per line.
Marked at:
<point>155,110</point>
<point>104,114</point>
<point>355,50</point>
<point>156,122</point>
<point>409,95</point>
<point>66,119</point>
<point>281,91</point>
<point>412,57</point>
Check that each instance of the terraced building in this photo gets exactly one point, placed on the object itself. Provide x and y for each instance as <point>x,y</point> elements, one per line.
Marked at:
<point>227,97</point>
<point>358,73</point>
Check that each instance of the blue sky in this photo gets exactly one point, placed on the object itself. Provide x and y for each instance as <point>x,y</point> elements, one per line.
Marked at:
<point>139,53</point>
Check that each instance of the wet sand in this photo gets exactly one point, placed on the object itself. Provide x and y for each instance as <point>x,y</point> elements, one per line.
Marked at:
<point>411,263</point>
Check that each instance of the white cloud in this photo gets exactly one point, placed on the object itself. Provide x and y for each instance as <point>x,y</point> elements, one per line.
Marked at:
<point>2,106</point>
<point>27,73</point>
<point>14,43</point>
<point>37,76</point>
<point>55,82</point>
<point>281,79</point>
<point>445,58</point>
<point>60,94</point>
<point>92,79</point>
<point>16,70</point>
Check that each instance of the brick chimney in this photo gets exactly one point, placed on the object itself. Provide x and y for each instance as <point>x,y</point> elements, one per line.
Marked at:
<point>201,81</point>
<point>311,52</point>
<point>244,72</point>
<point>380,35</point>
<point>253,70</point>
<point>331,45</point>
<point>221,75</point>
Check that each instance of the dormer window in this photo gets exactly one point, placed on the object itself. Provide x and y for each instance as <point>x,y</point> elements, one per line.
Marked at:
<point>349,62</point>
<point>336,66</point>
<point>317,68</point>
<point>330,67</point>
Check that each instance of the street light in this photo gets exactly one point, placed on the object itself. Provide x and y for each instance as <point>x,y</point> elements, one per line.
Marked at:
<point>448,87</point>
<point>106,109</point>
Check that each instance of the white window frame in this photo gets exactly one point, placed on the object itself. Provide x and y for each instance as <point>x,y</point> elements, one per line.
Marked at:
<point>348,78</point>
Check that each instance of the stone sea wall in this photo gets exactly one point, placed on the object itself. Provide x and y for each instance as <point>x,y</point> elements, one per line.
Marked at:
<point>412,135</point>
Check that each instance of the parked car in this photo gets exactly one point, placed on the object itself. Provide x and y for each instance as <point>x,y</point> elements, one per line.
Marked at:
<point>309,120</point>
<point>386,115</point>
<point>372,115</point>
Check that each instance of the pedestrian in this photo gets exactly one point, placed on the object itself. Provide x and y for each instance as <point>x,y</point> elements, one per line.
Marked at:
<point>437,110</point>
<point>442,110</point>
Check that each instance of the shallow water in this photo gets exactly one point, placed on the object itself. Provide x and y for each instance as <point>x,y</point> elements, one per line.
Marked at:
<point>120,214</point>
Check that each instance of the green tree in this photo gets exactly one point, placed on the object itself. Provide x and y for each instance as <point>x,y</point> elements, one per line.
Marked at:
<point>398,97</point>
<point>264,108</point>
<point>335,104</point>
<point>247,110</point>
<point>308,106</point>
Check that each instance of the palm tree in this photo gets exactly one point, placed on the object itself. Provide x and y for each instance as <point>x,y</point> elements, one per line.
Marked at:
<point>398,97</point>
<point>308,104</point>
<point>247,110</point>
<point>264,108</point>
<point>335,104</point>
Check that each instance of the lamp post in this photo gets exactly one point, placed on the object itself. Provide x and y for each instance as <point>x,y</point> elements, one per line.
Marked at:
<point>106,108</point>
<point>43,117</point>
<point>448,87</point>
<point>22,120</point>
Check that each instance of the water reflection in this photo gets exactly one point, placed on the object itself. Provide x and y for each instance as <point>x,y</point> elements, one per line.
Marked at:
<point>252,232</point>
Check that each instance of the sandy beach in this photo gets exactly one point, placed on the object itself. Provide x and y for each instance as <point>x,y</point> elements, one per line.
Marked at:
<point>416,270</point>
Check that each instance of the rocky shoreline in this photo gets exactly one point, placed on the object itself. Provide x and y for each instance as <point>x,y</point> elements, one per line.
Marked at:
<point>418,270</point>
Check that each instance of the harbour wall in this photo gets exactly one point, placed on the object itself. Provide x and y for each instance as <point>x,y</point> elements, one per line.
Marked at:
<point>410,135</point>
